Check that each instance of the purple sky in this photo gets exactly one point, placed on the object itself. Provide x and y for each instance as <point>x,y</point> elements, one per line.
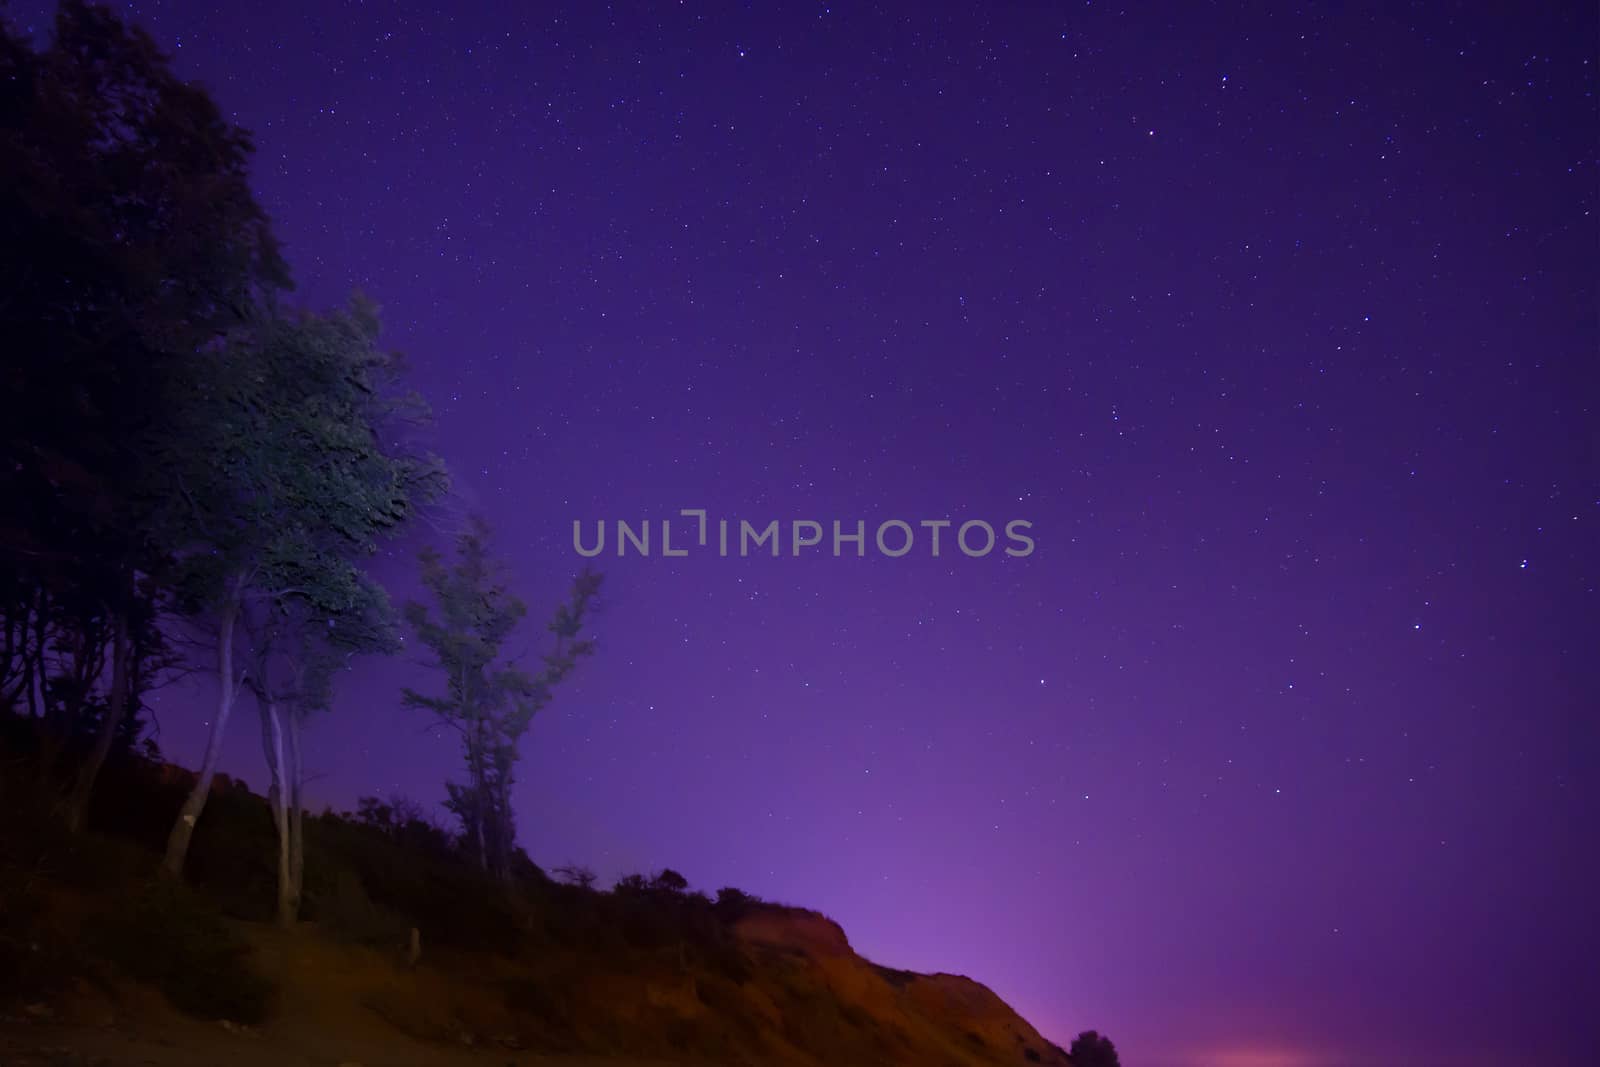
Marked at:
<point>1278,325</point>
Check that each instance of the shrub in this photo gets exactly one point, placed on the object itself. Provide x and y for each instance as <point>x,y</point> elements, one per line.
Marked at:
<point>1090,1049</point>
<point>669,881</point>
<point>166,937</point>
<point>349,913</point>
<point>631,883</point>
<point>406,822</point>
<point>734,904</point>
<point>450,901</point>
<point>895,976</point>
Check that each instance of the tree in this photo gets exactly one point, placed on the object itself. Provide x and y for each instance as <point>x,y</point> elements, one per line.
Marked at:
<point>295,652</point>
<point>132,239</point>
<point>669,881</point>
<point>1090,1049</point>
<point>488,700</point>
<point>289,481</point>
<point>573,874</point>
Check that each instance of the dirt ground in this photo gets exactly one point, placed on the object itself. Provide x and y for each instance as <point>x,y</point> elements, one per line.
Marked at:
<point>29,1042</point>
<point>318,1021</point>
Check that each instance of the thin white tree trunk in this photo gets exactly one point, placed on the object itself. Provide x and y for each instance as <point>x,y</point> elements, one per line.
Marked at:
<point>278,799</point>
<point>297,862</point>
<point>227,689</point>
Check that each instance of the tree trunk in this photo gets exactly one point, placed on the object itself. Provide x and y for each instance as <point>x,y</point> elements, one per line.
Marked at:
<point>33,658</point>
<point>10,660</point>
<point>297,855</point>
<point>39,702</point>
<point>278,800</point>
<point>504,830</point>
<point>183,827</point>
<point>480,796</point>
<point>83,786</point>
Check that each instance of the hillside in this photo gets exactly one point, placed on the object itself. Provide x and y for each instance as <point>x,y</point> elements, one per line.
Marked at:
<point>101,962</point>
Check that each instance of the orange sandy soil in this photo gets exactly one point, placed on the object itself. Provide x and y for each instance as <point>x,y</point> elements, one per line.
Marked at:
<point>339,1005</point>
<point>329,1012</point>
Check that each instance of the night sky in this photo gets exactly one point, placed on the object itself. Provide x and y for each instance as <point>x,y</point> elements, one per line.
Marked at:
<point>1280,328</point>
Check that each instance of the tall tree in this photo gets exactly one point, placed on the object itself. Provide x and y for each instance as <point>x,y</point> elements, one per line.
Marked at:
<point>130,240</point>
<point>292,473</point>
<point>489,700</point>
<point>295,654</point>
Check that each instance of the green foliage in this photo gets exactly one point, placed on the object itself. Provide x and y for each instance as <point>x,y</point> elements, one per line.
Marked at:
<point>282,459</point>
<point>287,466</point>
<point>166,936</point>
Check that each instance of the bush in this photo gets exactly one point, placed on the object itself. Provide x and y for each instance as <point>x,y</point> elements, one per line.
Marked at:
<point>452,903</point>
<point>1090,1049</point>
<point>895,976</point>
<point>166,937</point>
<point>669,881</point>
<point>631,884</point>
<point>233,858</point>
<point>734,904</point>
<point>349,913</point>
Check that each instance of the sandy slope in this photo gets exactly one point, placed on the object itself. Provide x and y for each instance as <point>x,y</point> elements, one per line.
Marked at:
<point>164,1039</point>
<point>328,1014</point>
<point>339,1005</point>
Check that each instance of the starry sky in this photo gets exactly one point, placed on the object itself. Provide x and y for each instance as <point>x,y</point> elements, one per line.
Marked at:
<point>1277,322</point>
